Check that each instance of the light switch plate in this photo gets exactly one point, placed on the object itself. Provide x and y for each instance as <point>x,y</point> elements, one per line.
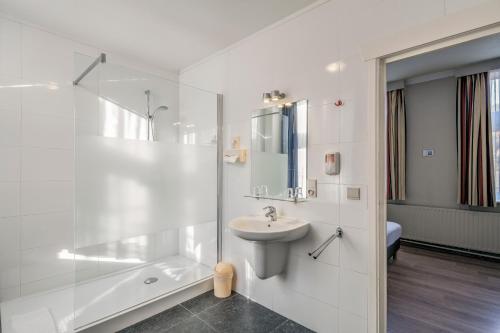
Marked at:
<point>428,152</point>
<point>353,193</point>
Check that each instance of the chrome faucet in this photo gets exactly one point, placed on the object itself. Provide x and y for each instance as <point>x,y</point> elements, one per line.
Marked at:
<point>271,213</point>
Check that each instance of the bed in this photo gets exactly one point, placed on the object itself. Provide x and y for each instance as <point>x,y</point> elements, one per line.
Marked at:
<point>393,240</point>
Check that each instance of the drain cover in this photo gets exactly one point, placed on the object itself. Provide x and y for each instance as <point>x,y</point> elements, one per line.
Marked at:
<point>150,280</point>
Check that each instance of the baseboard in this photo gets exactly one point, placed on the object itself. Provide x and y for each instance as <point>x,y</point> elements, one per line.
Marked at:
<point>494,257</point>
<point>152,308</point>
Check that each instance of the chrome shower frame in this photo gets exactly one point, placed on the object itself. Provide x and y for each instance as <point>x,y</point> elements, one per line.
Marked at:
<point>101,59</point>
<point>220,155</point>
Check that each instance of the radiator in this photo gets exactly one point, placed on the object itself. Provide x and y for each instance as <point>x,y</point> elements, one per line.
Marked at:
<point>472,230</point>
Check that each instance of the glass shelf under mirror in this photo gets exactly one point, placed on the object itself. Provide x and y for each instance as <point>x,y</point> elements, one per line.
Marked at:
<point>296,200</point>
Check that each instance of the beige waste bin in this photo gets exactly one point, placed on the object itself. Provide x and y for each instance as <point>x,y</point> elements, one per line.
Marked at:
<point>223,280</point>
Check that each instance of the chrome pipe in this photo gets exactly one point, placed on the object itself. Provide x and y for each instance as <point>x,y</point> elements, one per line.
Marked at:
<point>101,59</point>
<point>220,156</point>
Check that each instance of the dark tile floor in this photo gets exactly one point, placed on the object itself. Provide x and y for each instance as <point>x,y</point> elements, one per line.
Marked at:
<point>206,313</point>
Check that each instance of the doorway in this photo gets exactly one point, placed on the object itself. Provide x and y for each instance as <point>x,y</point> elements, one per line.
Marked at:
<point>459,255</point>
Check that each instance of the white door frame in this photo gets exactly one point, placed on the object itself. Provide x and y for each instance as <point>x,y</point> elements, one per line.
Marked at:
<point>483,20</point>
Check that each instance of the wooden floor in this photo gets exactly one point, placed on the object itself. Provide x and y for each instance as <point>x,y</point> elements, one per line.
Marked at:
<point>435,292</point>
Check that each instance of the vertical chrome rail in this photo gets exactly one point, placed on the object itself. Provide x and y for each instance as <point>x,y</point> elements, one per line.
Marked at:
<point>220,113</point>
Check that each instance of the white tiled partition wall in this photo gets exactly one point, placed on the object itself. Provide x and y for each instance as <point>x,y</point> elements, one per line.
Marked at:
<point>315,55</point>
<point>37,159</point>
<point>36,172</point>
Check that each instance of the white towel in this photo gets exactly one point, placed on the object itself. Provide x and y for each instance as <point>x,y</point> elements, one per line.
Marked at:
<point>35,321</point>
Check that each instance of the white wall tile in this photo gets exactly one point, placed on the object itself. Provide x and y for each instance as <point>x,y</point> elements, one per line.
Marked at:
<point>47,164</point>
<point>10,168</point>
<point>44,262</point>
<point>312,278</point>
<point>9,252</point>
<point>353,293</point>
<point>56,100</point>
<point>166,243</point>
<point>54,229</point>
<point>10,128</point>
<point>349,323</point>
<point>56,281</point>
<point>313,210</point>
<point>126,253</point>
<point>353,75</point>
<point>9,199</point>
<point>328,193</point>
<point>46,197</point>
<point>48,131</point>
<point>199,242</point>
<point>324,124</point>
<point>10,96</point>
<point>353,121</point>
<point>6,294</point>
<point>46,57</point>
<point>353,166</point>
<point>237,247</point>
<point>10,49</point>
<point>318,316</point>
<point>354,213</point>
<point>354,249</point>
<point>87,263</point>
<point>9,235</point>
<point>10,273</point>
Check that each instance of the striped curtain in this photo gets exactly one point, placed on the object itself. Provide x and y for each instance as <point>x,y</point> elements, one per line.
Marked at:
<point>396,145</point>
<point>476,182</point>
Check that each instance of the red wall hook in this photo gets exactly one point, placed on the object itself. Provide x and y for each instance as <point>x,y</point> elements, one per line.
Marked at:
<point>339,103</point>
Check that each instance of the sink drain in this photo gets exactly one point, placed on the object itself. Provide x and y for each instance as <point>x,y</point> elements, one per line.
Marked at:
<point>150,280</point>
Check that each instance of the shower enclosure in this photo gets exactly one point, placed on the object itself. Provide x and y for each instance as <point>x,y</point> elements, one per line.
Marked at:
<point>146,189</point>
<point>147,196</point>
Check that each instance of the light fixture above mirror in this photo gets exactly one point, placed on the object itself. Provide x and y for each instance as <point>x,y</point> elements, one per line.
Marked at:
<point>273,96</point>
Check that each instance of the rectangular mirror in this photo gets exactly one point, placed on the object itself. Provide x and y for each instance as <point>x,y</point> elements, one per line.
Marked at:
<point>279,151</point>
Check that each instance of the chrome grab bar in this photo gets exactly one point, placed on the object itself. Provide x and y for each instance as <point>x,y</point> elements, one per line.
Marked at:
<point>316,253</point>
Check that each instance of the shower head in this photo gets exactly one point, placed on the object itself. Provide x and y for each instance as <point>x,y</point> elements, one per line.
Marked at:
<point>160,108</point>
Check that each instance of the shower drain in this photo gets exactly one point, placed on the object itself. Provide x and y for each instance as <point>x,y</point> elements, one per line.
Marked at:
<point>150,280</point>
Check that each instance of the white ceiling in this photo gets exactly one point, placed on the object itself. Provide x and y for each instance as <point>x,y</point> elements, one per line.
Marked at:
<point>446,59</point>
<point>171,34</point>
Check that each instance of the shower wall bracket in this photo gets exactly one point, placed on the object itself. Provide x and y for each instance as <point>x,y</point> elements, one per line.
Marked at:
<point>101,59</point>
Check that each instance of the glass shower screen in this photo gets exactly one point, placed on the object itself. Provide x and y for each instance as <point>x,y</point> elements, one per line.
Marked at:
<point>146,189</point>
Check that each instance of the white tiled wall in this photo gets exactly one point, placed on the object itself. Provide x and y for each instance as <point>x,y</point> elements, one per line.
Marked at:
<point>330,294</point>
<point>37,164</point>
<point>36,145</point>
<point>37,137</point>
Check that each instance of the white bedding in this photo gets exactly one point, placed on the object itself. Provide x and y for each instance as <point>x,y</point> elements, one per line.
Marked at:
<point>393,232</point>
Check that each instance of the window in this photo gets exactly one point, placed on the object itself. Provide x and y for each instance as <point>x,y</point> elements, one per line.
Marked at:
<point>495,125</point>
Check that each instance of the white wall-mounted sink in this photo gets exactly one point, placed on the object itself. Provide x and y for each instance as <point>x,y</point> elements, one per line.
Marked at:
<point>260,228</point>
<point>270,240</point>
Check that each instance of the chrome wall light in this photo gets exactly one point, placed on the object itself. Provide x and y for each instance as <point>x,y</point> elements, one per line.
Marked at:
<point>273,96</point>
<point>266,97</point>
